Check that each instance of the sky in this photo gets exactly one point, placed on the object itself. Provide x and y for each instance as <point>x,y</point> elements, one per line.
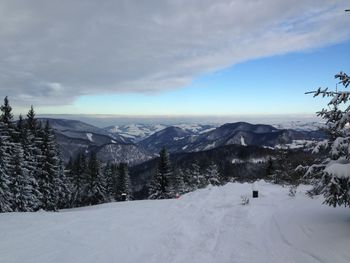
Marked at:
<point>171,58</point>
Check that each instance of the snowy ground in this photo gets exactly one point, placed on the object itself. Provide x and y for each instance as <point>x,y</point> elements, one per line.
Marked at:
<point>209,225</point>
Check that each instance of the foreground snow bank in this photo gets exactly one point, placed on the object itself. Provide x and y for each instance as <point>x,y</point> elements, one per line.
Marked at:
<point>209,225</point>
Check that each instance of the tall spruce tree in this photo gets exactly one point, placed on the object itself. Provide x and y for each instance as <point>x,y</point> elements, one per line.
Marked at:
<point>50,170</point>
<point>109,182</point>
<point>160,185</point>
<point>178,184</point>
<point>78,178</point>
<point>333,172</point>
<point>19,184</point>
<point>123,185</point>
<point>5,194</point>
<point>196,179</point>
<point>6,113</point>
<point>95,188</point>
<point>212,174</point>
<point>32,123</point>
<point>29,164</point>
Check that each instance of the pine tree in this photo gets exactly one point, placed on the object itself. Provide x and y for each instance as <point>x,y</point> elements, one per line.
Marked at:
<point>19,184</point>
<point>269,168</point>
<point>5,194</point>
<point>212,174</point>
<point>50,170</point>
<point>63,188</point>
<point>160,185</point>
<point>95,188</point>
<point>197,180</point>
<point>78,179</point>
<point>178,184</point>
<point>123,184</point>
<point>109,182</point>
<point>6,116</point>
<point>334,171</point>
<point>32,123</point>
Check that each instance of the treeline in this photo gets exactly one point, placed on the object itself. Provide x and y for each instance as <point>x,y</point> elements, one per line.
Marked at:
<point>168,184</point>
<point>32,173</point>
<point>91,184</point>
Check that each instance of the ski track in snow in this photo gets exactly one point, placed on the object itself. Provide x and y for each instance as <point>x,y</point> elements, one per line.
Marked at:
<point>209,225</point>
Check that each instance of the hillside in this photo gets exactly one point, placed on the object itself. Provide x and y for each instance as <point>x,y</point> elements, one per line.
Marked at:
<point>76,137</point>
<point>177,139</point>
<point>209,225</point>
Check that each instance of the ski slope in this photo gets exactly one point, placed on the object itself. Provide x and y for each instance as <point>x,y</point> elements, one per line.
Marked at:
<point>209,225</point>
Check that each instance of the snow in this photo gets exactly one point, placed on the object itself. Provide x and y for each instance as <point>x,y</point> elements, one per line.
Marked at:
<point>210,146</point>
<point>338,169</point>
<point>297,144</point>
<point>89,136</point>
<point>237,160</point>
<point>243,142</point>
<point>209,225</point>
<point>250,160</point>
<point>178,138</point>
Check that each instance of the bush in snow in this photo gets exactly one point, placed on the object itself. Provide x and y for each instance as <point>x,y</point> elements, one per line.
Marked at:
<point>292,191</point>
<point>244,200</point>
<point>333,172</point>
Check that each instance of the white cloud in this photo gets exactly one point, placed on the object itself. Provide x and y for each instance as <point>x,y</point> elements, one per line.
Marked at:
<point>54,51</point>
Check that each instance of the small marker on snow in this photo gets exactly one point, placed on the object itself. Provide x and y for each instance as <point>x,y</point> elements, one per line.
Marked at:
<point>255,191</point>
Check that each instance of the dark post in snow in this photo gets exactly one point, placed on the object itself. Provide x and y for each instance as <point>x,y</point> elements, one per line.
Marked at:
<point>123,198</point>
<point>255,191</point>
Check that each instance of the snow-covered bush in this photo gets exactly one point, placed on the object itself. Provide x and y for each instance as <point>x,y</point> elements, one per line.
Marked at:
<point>292,191</point>
<point>332,174</point>
<point>244,200</point>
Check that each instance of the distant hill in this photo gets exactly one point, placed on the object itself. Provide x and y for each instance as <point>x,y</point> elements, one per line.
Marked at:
<point>176,139</point>
<point>75,137</point>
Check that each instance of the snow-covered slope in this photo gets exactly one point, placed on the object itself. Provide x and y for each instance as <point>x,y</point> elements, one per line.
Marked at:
<point>209,225</point>
<point>135,132</point>
<point>138,132</point>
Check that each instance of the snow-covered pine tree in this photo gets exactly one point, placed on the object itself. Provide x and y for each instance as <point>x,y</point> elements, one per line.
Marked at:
<point>269,168</point>
<point>5,194</point>
<point>31,121</point>
<point>95,188</point>
<point>178,183</point>
<point>77,176</point>
<point>6,116</point>
<point>160,185</point>
<point>29,162</point>
<point>63,187</point>
<point>123,185</point>
<point>212,174</point>
<point>197,179</point>
<point>114,181</point>
<point>21,199</point>
<point>109,181</point>
<point>334,171</point>
<point>50,170</point>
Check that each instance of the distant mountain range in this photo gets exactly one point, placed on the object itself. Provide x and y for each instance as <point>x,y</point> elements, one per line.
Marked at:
<point>137,143</point>
<point>177,140</point>
<point>75,137</point>
<point>139,132</point>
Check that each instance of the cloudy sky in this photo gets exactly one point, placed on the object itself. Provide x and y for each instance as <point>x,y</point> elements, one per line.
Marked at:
<point>180,57</point>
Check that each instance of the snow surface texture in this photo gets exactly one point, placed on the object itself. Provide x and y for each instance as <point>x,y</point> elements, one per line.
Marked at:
<point>209,225</point>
